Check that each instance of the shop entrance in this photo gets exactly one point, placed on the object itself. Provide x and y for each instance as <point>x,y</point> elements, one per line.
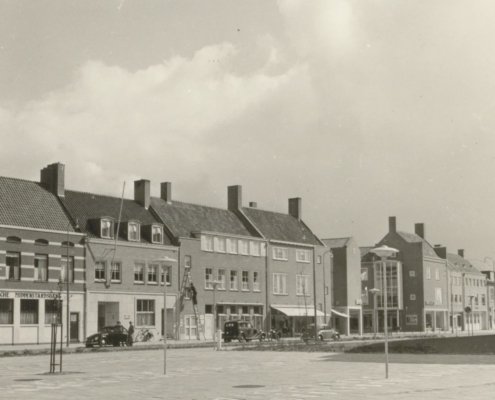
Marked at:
<point>108,313</point>
<point>74,327</point>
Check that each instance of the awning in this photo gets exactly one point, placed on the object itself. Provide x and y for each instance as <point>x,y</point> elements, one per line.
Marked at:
<point>340,314</point>
<point>298,311</point>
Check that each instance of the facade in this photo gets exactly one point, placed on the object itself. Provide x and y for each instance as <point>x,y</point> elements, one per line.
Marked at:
<point>347,312</point>
<point>41,263</point>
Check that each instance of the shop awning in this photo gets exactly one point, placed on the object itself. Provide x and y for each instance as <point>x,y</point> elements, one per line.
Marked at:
<point>340,314</point>
<point>298,311</point>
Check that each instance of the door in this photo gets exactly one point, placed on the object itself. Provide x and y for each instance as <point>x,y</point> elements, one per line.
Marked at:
<point>74,327</point>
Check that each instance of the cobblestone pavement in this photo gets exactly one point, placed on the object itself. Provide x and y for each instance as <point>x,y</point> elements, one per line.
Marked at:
<point>206,374</point>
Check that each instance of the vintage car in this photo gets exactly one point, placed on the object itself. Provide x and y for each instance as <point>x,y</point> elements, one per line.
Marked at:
<point>242,331</point>
<point>323,333</point>
<point>108,336</point>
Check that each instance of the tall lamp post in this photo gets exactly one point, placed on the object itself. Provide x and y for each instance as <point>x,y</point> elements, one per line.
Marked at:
<point>216,329</point>
<point>162,261</point>
<point>374,292</point>
<point>383,252</point>
<point>330,259</point>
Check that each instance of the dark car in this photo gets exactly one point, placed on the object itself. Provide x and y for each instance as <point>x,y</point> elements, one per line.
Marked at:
<point>108,336</point>
<point>242,331</point>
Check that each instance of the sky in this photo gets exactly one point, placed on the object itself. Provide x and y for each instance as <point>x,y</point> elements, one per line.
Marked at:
<point>364,109</point>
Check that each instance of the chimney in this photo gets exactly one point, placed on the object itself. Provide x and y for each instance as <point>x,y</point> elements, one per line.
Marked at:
<point>460,252</point>
<point>166,191</point>
<point>295,207</point>
<point>253,204</point>
<point>142,192</point>
<point>234,197</point>
<point>419,229</point>
<point>441,251</point>
<point>392,224</point>
<point>52,178</point>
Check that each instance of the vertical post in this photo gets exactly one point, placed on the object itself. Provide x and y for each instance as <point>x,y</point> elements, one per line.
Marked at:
<point>67,317</point>
<point>324,288</point>
<point>314,296</point>
<point>385,317</point>
<point>164,320</point>
<point>214,316</point>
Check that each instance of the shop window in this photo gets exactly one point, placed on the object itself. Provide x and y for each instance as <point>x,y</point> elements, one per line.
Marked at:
<point>41,267</point>
<point>52,311</point>
<point>29,312</point>
<point>6,311</point>
<point>145,312</point>
<point>13,262</point>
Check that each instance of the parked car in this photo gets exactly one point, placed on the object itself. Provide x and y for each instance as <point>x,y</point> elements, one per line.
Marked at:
<point>108,336</point>
<point>323,333</point>
<point>242,331</point>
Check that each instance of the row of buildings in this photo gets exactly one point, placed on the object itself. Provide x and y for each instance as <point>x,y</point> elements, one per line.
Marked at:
<point>113,259</point>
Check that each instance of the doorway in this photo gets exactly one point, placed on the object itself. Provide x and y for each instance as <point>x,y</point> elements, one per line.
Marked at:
<point>108,314</point>
<point>74,327</point>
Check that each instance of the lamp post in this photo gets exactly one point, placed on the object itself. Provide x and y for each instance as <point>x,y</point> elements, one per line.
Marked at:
<point>383,252</point>
<point>162,261</point>
<point>216,333</point>
<point>374,292</point>
<point>330,258</point>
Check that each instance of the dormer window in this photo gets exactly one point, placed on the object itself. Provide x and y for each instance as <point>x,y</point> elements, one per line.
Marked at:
<point>156,234</point>
<point>133,232</point>
<point>106,228</point>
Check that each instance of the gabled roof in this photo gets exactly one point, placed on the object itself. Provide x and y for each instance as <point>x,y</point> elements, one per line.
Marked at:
<point>482,266</point>
<point>460,264</point>
<point>283,227</point>
<point>27,204</point>
<point>336,242</point>
<point>413,238</point>
<point>183,219</point>
<point>85,207</point>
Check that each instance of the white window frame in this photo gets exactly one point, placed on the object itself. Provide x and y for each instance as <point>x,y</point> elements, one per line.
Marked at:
<point>133,232</point>
<point>97,263</point>
<point>243,247</point>
<point>219,244</point>
<point>254,248</point>
<point>280,253</point>
<point>302,281</point>
<point>39,268</point>
<point>208,278</point>
<point>168,269</point>
<point>106,224</point>
<point>231,246</point>
<point>303,255</point>
<point>207,243</point>
<point>146,312</point>
<point>149,273</point>
<point>256,282</point>
<point>245,283</point>
<point>156,230</point>
<point>142,266</point>
<point>221,279</point>
<point>438,296</point>
<point>428,272</point>
<point>234,283</point>
<point>119,270</point>
<point>279,283</point>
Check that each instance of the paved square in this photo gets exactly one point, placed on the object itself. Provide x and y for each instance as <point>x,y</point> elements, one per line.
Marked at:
<point>206,374</point>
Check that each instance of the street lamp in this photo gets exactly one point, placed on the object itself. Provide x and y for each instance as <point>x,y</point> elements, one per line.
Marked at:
<point>216,331</point>
<point>163,260</point>
<point>330,258</point>
<point>374,292</point>
<point>383,252</point>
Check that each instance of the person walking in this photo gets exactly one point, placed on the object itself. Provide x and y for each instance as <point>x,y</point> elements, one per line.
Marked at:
<point>130,332</point>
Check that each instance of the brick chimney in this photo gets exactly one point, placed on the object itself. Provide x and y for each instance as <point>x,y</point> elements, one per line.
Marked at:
<point>234,197</point>
<point>392,224</point>
<point>142,192</point>
<point>460,252</point>
<point>441,251</point>
<point>166,191</point>
<point>253,204</point>
<point>295,207</point>
<point>419,229</point>
<point>52,178</point>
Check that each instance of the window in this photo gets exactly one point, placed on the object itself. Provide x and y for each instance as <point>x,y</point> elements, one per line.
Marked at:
<point>412,297</point>
<point>6,311</point>
<point>428,273</point>
<point>232,246</point>
<point>364,296</point>
<point>318,259</point>
<point>63,269</point>
<point>106,228</point>
<point>167,268</point>
<point>221,279</point>
<point>13,239</point>
<point>302,285</point>
<point>279,283</point>
<point>116,270</point>
<point>153,274</point>
<point>208,278</point>
<point>438,296</point>
<point>243,247</point>
<point>483,300</point>
<point>29,312</point>
<point>263,249</point>
<point>256,282</point>
<point>245,280</point>
<point>139,272</point>
<point>364,274</point>
<point>233,280</point>
<point>52,312</point>
<point>100,271</point>
<point>41,242</point>
<point>206,243</point>
<point>133,232</point>
<point>254,248</point>
<point>219,244</point>
<point>303,256</point>
<point>156,234</point>
<point>280,253</point>
<point>145,312</point>
<point>41,267</point>
<point>13,262</point>
<point>412,273</point>
<point>188,261</point>
<point>437,274</point>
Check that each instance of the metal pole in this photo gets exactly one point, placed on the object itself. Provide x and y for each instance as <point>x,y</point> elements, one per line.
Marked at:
<point>324,290</point>
<point>214,315</point>
<point>67,317</point>
<point>314,295</point>
<point>385,322</point>
<point>164,320</point>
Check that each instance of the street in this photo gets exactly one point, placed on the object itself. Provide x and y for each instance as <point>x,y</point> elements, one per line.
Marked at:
<point>206,374</point>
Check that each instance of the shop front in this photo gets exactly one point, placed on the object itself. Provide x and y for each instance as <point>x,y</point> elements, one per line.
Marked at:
<point>292,320</point>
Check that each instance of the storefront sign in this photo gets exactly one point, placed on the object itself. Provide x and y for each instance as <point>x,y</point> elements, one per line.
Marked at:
<point>28,295</point>
<point>411,319</point>
<point>4,295</point>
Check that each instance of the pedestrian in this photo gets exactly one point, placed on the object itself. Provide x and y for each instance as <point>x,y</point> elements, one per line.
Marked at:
<point>194,294</point>
<point>130,332</point>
